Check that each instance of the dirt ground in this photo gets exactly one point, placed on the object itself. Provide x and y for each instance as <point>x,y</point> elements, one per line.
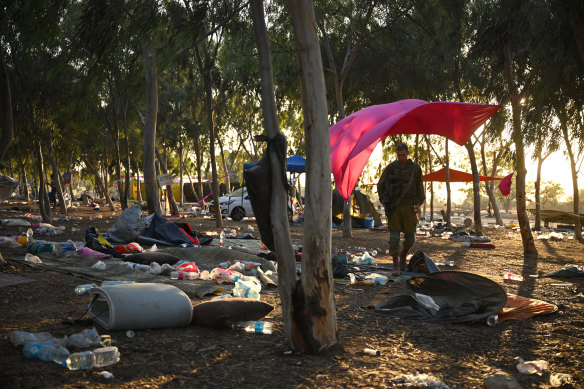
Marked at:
<point>461,355</point>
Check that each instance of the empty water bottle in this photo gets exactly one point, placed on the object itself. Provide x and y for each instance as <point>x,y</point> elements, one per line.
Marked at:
<point>29,234</point>
<point>106,356</point>
<point>222,239</point>
<point>47,351</point>
<point>259,327</point>
<point>83,360</point>
<point>84,289</point>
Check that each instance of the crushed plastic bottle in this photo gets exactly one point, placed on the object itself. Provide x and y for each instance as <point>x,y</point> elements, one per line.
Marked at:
<point>83,289</point>
<point>560,379</point>
<point>83,360</point>
<point>47,351</point>
<point>32,258</point>
<point>19,338</point>
<point>259,327</point>
<point>106,356</point>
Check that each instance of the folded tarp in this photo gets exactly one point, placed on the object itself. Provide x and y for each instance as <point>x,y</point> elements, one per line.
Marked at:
<point>164,233</point>
<point>448,296</point>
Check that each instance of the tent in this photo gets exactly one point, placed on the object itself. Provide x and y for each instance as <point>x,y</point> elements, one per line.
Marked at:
<point>354,138</point>
<point>362,202</point>
<point>455,176</point>
<point>295,164</point>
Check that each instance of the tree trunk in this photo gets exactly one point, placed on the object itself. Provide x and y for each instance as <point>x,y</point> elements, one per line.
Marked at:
<point>181,163</point>
<point>538,195</point>
<point>577,19</point>
<point>576,195</point>
<point>138,184</point>
<point>128,180</point>
<point>206,71</point>
<point>99,182</point>
<point>278,209</point>
<point>314,305</point>
<point>150,184</point>
<point>347,219</point>
<point>529,249</point>
<point>224,164</point>
<point>448,193</point>
<point>200,190</point>
<point>23,177</point>
<point>173,207</point>
<point>56,175</point>
<point>6,123</point>
<point>490,187</point>
<point>476,189</point>
<point>431,183</point>
<point>123,200</point>
<point>44,205</point>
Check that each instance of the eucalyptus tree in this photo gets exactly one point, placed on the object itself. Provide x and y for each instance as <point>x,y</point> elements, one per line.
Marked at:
<point>346,27</point>
<point>503,37</point>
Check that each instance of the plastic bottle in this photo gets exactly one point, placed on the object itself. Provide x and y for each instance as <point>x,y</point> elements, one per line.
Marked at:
<point>370,351</point>
<point>222,239</point>
<point>83,360</point>
<point>47,351</point>
<point>259,327</point>
<point>64,249</point>
<point>80,290</point>
<point>106,356</point>
<point>29,234</point>
<point>19,338</point>
<point>513,276</point>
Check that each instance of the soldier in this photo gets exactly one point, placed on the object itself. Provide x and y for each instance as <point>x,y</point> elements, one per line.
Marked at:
<point>401,191</point>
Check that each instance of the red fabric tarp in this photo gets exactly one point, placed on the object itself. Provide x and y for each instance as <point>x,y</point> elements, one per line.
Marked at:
<point>354,138</point>
<point>455,176</point>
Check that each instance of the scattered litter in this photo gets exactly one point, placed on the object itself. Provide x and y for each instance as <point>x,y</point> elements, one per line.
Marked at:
<point>422,380</point>
<point>106,374</point>
<point>100,265</point>
<point>373,352</point>
<point>531,367</point>
<point>15,222</point>
<point>559,379</point>
<point>32,258</point>
<point>130,334</point>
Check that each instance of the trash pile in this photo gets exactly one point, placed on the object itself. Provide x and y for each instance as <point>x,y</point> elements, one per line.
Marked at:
<point>44,346</point>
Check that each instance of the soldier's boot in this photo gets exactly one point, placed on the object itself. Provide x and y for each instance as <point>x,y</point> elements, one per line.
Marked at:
<point>396,267</point>
<point>402,258</point>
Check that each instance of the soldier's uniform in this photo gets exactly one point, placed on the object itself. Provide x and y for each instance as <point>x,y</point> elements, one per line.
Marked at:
<point>399,197</point>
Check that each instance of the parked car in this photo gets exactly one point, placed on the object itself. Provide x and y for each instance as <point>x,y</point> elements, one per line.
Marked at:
<point>237,205</point>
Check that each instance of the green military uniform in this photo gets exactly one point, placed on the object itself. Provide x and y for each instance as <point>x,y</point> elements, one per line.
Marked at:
<point>399,197</point>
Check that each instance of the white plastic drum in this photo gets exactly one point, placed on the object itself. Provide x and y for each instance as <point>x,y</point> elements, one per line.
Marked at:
<point>139,306</point>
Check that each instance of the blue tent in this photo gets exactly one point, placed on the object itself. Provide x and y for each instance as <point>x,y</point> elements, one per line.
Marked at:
<point>295,164</point>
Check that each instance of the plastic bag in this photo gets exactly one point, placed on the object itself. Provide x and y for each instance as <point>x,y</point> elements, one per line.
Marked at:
<point>248,288</point>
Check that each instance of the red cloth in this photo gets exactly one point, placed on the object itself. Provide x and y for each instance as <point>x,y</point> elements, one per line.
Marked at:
<point>354,138</point>
<point>505,185</point>
<point>455,176</point>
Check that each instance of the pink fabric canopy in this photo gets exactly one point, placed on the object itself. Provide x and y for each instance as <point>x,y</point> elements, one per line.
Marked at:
<point>354,138</point>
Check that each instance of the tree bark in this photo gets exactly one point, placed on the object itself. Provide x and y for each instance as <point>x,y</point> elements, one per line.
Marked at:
<point>529,249</point>
<point>56,175</point>
<point>173,207</point>
<point>314,310</point>
<point>448,193</point>
<point>278,212</point>
<point>576,198</point>
<point>490,187</point>
<point>99,182</point>
<point>44,206</point>
<point>476,189</point>
<point>206,71</point>
<point>6,122</point>
<point>23,177</point>
<point>181,169</point>
<point>430,183</point>
<point>150,184</point>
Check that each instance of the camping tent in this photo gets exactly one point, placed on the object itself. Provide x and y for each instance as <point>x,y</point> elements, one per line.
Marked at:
<point>455,176</point>
<point>295,164</point>
<point>360,201</point>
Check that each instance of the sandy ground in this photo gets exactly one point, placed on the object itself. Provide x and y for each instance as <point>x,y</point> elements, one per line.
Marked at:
<point>459,355</point>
